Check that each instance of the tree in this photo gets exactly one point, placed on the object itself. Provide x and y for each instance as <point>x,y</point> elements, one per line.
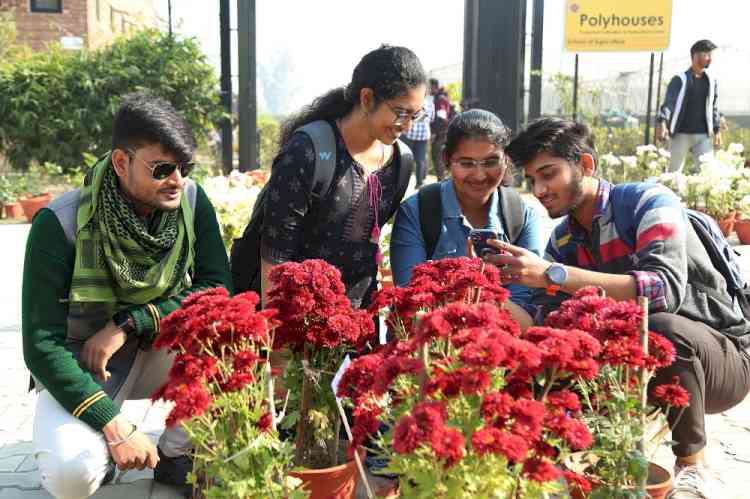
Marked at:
<point>279,84</point>
<point>57,105</point>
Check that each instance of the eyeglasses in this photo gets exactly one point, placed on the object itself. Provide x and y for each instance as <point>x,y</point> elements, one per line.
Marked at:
<point>402,115</point>
<point>489,163</point>
<point>163,169</point>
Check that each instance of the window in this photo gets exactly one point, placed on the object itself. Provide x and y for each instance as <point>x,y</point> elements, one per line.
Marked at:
<point>98,10</point>
<point>46,6</point>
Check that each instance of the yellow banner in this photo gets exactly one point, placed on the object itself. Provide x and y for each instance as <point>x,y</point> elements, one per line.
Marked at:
<point>617,25</point>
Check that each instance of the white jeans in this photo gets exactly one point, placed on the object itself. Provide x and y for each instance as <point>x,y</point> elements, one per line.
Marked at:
<point>698,143</point>
<point>73,457</point>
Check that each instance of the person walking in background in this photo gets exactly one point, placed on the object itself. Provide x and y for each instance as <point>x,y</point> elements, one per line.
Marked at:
<point>417,137</point>
<point>690,113</point>
<point>439,125</point>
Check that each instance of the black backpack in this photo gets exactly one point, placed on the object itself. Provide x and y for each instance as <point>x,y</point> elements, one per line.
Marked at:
<point>511,209</point>
<point>244,259</point>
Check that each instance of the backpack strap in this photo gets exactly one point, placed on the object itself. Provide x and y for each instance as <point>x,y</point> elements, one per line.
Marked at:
<point>324,142</point>
<point>511,208</point>
<point>65,208</point>
<point>406,166</point>
<point>191,191</point>
<point>512,212</point>
<point>430,216</point>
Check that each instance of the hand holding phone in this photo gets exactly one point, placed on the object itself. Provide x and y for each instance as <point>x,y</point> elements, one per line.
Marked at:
<point>479,238</point>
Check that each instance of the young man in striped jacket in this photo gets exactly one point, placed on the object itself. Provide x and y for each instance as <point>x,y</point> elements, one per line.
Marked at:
<point>104,263</point>
<point>635,240</point>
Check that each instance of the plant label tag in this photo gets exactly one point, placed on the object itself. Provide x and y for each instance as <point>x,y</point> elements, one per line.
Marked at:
<point>382,328</point>
<point>339,374</point>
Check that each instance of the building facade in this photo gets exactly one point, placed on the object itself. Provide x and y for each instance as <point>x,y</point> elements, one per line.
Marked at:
<point>77,23</point>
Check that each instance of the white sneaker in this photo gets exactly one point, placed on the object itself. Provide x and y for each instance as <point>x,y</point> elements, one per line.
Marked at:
<point>691,481</point>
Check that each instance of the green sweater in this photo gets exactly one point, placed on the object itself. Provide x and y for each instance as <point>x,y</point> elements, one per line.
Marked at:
<point>48,269</point>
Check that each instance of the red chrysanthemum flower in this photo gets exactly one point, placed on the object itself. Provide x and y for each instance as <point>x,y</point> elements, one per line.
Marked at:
<point>577,434</point>
<point>495,441</point>
<point>672,394</point>
<point>448,444</point>
<point>430,415</point>
<point>661,351</point>
<point>496,405</point>
<point>540,470</point>
<point>407,435</point>
<point>577,481</point>
<point>237,381</point>
<point>564,399</point>
<point>528,416</point>
<point>265,422</point>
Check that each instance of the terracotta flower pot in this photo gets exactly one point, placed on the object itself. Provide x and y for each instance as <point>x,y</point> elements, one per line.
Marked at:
<point>336,482</point>
<point>658,484</point>
<point>32,205</point>
<point>742,228</point>
<point>13,210</point>
<point>726,224</point>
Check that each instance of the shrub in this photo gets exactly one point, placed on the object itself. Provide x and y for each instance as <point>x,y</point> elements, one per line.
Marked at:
<point>58,105</point>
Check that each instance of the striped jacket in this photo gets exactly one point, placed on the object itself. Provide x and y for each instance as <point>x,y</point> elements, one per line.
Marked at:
<point>658,247</point>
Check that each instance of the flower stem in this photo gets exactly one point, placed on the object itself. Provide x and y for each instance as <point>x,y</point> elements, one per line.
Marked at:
<point>304,407</point>
<point>271,401</point>
<point>548,384</point>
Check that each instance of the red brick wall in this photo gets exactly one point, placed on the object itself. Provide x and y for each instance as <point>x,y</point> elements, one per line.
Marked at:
<point>79,18</point>
<point>37,29</point>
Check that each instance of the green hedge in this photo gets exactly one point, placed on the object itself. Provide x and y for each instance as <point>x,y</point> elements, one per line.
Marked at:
<point>58,105</point>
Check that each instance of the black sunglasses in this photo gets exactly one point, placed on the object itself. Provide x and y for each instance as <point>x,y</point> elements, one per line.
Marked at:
<point>163,169</point>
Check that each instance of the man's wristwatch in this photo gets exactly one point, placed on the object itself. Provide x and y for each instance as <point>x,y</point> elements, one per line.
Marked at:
<point>124,321</point>
<point>556,275</point>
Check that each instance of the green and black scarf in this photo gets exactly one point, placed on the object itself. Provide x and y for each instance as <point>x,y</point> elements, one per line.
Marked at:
<point>120,259</point>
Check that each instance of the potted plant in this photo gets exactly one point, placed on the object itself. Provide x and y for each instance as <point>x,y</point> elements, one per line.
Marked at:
<point>221,384</point>
<point>317,329</point>
<point>460,404</point>
<point>9,188</point>
<point>32,191</point>
<point>6,194</point>
<point>614,402</point>
<point>742,224</point>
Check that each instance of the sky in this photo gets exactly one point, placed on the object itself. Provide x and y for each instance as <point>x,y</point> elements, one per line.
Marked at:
<point>321,41</point>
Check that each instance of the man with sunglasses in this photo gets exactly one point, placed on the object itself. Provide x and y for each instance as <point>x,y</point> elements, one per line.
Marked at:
<point>104,264</point>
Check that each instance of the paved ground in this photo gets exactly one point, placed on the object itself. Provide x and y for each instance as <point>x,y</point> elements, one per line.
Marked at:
<point>728,450</point>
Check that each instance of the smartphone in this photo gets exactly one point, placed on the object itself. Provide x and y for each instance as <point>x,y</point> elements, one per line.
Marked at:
<point>479,238</point>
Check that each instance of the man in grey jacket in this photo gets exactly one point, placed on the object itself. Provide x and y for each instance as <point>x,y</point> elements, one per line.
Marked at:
<point>690,114</point>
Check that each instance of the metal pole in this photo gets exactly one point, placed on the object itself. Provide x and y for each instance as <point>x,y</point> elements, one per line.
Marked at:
<point>658,88</point>
<point>247,95</point>
<point>226,87</point>
<point>169,10</point>
<point>647,135</point>
<point>575,91</point>
<point>535,90</point>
